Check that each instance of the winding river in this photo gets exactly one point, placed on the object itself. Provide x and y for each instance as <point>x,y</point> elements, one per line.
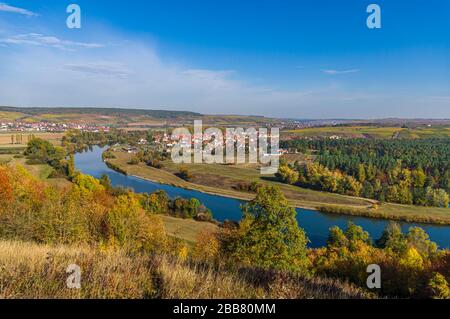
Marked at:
<point>316,224</point>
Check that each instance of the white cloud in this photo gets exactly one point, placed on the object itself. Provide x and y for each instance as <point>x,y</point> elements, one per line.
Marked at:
<point>37,39</point>
<point>134,76</point>
<point>100,68</point>
<point>337,72</point>
<point>7,8</point>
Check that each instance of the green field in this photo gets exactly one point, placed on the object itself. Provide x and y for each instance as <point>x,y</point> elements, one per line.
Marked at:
<point>371,132</point>
<point>186,229</point>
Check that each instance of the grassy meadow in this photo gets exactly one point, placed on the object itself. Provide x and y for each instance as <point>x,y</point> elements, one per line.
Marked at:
<point>371,132</point>
<point>186,229</point>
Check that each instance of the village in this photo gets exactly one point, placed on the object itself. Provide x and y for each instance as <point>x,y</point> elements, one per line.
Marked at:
<point>45,126</point>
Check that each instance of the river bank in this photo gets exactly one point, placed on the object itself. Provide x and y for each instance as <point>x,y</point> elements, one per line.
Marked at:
<point>316,224</point>
<point>368,208</point>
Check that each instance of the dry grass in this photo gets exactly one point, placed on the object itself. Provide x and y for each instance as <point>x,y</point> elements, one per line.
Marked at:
<point>181,281</point>
<point>5,158</point>
<point>186,229</point>
<point>5,138</point>
<point>39,272</point>
<point>10,116</point>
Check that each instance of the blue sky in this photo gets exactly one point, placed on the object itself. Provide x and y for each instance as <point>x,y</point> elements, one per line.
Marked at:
<point>301,59</point>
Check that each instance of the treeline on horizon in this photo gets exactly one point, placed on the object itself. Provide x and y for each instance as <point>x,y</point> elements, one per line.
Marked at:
<point>413,171</point>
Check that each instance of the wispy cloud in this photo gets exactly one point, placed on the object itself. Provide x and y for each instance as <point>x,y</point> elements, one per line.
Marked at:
<point>37,39</point>
<point>337,72</point>
<point>7,8</point>
<point>100,68</point>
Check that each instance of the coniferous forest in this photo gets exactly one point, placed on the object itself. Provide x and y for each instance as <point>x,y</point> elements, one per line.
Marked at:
<point>398,171</point>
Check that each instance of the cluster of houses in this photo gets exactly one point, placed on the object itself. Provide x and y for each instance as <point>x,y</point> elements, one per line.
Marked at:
<point>165,141</point>
<point>50,127</point>
<point>302,124</point>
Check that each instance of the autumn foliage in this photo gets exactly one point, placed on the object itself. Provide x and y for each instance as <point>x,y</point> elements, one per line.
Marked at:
<point>82,213</point>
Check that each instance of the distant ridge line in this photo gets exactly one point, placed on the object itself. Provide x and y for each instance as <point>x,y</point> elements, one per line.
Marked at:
<point>98,110</point>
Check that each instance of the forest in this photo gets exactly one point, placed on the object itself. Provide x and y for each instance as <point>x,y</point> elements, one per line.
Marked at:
<point>398,171</point>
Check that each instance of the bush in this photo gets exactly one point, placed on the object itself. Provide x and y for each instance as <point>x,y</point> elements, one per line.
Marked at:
<point>56,174</point>
<point>34,161</point>
<point>207,247</point>
<point>108,155</point>
<point>134,160</point>
<point>85,213</point>
<point>155,164</point>
<point>248,187</point>
<point>184,173</point>
<point>287,175</point>
<point>128,226</point>
<point>439,288</point>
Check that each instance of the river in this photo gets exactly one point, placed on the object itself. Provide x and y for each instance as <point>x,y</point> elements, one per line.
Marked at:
<point>315,224</point>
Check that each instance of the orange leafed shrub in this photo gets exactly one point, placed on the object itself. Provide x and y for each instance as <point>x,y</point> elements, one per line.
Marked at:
<point>207,247</point>
<point>6,191</point>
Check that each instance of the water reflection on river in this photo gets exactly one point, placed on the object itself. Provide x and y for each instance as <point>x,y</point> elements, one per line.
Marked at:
<point>316,224</point>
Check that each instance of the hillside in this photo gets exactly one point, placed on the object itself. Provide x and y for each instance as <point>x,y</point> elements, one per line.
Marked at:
<point>125,118</point>
<point>39,111</point>
<point>39,271</point>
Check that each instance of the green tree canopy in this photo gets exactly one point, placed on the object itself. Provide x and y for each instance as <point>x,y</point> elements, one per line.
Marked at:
<point>269,236</point>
